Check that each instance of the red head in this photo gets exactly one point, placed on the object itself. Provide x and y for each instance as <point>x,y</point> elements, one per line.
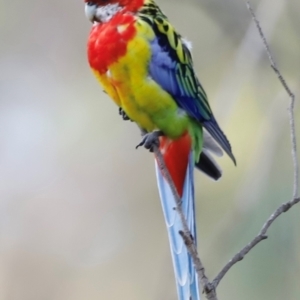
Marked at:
<point>103,10</point>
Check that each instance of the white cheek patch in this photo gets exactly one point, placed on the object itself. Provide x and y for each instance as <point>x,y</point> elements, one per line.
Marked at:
<point>105,13</point>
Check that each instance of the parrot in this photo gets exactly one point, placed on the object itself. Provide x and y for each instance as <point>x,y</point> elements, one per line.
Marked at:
<point>146,67</point>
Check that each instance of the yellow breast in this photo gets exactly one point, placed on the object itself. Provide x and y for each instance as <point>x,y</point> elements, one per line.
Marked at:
<point>128,83</point>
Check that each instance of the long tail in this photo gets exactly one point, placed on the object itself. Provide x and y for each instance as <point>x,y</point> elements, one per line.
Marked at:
<point>180,163</point>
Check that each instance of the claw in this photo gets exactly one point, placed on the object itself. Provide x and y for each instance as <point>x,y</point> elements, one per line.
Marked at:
<point>150,140</point>
<point>122,113</point>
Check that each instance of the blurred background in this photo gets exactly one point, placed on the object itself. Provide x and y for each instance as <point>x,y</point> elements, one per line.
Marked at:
<point>80,216</point>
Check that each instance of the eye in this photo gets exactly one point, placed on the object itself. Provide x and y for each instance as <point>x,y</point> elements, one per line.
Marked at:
<point>90,3</point>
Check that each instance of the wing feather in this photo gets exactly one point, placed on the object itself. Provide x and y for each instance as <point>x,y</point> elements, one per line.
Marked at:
<point>171,66</point>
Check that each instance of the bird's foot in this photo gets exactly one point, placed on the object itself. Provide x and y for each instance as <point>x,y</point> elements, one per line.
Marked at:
<point>150,140</point>
<point>122,113</point>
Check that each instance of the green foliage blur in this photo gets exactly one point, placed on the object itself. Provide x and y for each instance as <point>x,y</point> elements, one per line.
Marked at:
<point>80,216</point>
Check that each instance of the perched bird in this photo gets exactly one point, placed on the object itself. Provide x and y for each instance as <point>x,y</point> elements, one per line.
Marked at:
<point>146,67</point>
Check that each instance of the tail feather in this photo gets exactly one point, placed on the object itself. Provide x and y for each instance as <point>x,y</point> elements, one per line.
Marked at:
<point>186,277</point>
<point>215,131</point>
<point>206,162</point>
<point>208,165</point>
<point>210,144</point>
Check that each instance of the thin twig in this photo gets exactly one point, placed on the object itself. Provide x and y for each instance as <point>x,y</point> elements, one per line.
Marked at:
<point>295,199</point>
<point>292,103</point>
<point>260,237</point>
<point>208,289</point>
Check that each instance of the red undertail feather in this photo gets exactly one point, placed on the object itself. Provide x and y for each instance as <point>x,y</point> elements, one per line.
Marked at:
<point>176,156</point>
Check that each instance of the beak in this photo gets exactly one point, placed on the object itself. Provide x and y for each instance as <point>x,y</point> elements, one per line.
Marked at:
<point>90,11</point>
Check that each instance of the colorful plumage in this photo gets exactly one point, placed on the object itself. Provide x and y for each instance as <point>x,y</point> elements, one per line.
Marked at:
<point>146,67</point>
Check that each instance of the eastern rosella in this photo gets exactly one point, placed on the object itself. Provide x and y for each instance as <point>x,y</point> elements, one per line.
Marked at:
<point>146,67</point>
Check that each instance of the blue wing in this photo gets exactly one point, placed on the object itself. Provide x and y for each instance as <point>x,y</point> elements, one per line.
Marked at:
<point>186,277</point>
<point>171,66</point>
<point>178,78</point>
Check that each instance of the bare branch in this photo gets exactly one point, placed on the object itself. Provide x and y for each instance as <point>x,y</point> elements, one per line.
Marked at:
<point>292,103</point>
<point>208,288</point>
<point>260,237</point>
<point>286,206</point>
